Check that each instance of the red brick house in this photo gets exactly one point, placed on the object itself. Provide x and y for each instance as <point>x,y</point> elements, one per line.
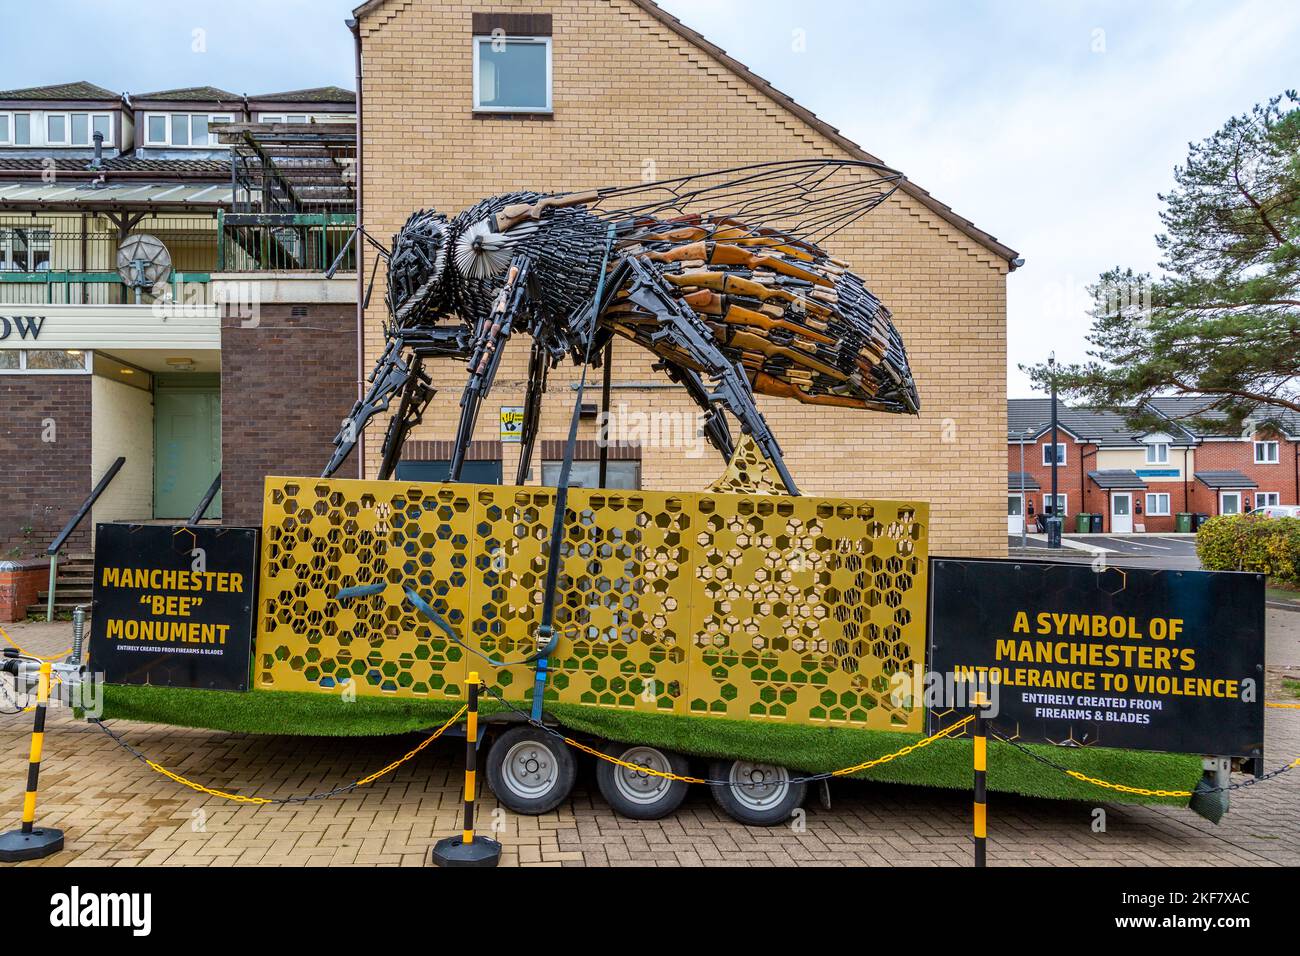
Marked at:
<point>1235,474</point>
<point>1136,479</point>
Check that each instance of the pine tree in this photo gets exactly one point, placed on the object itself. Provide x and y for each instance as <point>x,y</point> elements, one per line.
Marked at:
<point>1223,317</point>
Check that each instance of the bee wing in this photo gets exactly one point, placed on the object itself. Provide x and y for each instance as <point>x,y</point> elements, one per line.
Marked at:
<point>808,200</point>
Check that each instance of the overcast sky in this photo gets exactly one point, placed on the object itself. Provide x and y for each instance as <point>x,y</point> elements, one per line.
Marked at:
<point>1051,124</point>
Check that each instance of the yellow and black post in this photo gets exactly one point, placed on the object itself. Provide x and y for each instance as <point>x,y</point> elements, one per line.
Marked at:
<point>31,842</point>
<point>981,780</point>
<point>469,849</point>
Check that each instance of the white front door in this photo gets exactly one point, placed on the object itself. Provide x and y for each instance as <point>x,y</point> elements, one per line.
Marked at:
<point>1121,512</point>
<point>1015,514</point>
<point>1230,502</point>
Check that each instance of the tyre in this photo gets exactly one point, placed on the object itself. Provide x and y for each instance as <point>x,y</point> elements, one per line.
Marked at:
<point>758,794</point>
<point>530,771</point>
<point>636,794</point>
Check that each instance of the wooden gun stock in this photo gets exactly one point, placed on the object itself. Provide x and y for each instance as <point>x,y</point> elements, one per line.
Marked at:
<point>514,214</point>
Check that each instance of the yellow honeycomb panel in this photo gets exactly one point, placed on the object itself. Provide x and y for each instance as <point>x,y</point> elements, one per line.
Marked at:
<point>770,607</point>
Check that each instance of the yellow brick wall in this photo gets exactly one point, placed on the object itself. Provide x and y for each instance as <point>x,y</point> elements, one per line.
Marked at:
<point>628,92</point>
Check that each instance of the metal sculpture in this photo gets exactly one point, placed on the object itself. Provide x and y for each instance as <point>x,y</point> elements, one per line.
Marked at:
<point>719,275</point>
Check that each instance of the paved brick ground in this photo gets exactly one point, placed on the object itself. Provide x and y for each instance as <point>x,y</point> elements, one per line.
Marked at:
<point>115,811</point>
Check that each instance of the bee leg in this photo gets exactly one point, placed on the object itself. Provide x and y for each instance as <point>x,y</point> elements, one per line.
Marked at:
<point>490,339</point>
<point>417,394</point>
<point>680,330</point>
<point>538,366</point>
<point>389,377</point>
<point>715,423</point>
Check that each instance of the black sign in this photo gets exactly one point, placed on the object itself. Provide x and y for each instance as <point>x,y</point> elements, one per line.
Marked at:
<point>1122,657</point>
<point>174,606</point>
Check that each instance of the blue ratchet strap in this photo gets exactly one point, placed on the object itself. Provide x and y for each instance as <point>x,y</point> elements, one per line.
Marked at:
<point>428,610</point>
<point>546,636</point>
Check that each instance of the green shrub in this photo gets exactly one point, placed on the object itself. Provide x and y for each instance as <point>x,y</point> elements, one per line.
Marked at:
<point>1248,543</point>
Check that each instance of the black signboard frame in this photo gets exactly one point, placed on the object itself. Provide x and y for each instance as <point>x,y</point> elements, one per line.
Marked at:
<point>972,605</point>
<point>166,616</point>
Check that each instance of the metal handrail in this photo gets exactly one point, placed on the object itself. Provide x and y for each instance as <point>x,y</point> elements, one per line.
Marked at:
<point>71,526</point>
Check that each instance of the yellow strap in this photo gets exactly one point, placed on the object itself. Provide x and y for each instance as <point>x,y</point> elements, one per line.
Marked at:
<point>238,798</point>
<point>981,820</point>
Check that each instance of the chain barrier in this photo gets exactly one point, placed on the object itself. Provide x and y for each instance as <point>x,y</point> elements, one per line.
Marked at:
<point>1143,791</point>
<point>239,798</point>
<point>665,775</point>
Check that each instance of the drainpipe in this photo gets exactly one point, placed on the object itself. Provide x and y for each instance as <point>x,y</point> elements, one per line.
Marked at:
<point>1187,491</point>
<point>359,253</point>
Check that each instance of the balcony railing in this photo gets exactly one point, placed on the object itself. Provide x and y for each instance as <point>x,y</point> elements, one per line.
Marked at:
<point>284,242</point>
<point>72,260</point>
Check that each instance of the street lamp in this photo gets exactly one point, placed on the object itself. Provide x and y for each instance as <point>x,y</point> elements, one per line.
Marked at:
<point>1054,519</point>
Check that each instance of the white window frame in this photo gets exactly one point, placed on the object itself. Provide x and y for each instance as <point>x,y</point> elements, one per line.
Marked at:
<point>1157,511</point>
<point>67,129</point>
<point>1277,453</point>
<point>1065,504</point>
<point>1276,496</point>
<point>1155,459</point>
<point>550,91</point>
<point>213,119</point>
<point>1064,454</point>
<point>1241,501</point>
<point>8,138</point>
<point>7,246</point>
<point>14,119</point>
<point>284,118</point>
<point>86,355</point>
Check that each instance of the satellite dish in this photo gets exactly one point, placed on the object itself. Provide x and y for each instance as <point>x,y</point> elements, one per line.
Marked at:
<point>143,262</point>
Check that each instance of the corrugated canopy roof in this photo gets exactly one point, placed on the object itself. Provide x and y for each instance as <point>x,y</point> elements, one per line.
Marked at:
<point>30,195</point>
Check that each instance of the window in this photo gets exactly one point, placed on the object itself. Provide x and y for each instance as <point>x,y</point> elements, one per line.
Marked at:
<point>1266,453</point>
<point>512,74</point>
<point>1158,453</point>
<point>1158,503</point>
<point>1062,500</point>
<point>24,250</point>
<point>22,129</point>
<point>586,474</point>
<point>183,129</point>
<point>44,361</point>
<point>1265,498</point>
<point>1047,454</point>
<point>1230,503</point>
<point>56,129</point>
<point>283,118</point>
<point>6,127</point>
<point>486,471</point>
<point>102,123</point>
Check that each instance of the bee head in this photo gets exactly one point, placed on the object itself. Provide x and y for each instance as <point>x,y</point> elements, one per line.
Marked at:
<point>416,267</point>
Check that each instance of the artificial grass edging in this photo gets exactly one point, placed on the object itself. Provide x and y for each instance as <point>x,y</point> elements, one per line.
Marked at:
<point>944,763</point>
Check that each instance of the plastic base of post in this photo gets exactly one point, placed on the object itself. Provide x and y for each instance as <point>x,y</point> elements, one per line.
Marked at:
<point>454,851</point>
<point>17,846</point>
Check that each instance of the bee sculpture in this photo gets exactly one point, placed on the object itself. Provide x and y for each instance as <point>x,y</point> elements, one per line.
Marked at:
<point>719,275</point>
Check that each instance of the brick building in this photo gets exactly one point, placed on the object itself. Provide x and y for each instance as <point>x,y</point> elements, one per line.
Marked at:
<point>192,371</point>
<point>1140,479</point>
<point>1235,473</point>
<point>586,93</point>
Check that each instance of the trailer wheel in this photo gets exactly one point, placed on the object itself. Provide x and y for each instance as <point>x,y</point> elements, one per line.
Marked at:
<point>759,794</point>
<point>636,794</point>
<point>530,771</point>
